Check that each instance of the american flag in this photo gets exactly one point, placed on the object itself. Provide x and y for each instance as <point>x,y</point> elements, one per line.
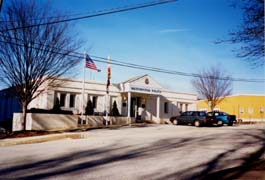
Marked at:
<point>90,64</point>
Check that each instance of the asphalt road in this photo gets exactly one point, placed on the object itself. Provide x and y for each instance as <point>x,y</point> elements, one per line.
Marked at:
<point>155,152</point>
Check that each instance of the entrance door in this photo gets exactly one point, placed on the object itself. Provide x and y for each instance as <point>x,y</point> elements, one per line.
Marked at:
<point>135,104</point>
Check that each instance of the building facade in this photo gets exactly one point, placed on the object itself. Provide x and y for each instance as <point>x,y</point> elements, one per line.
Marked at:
<point>9,103</point>
<point>140,98</point>
<point>245,107</point>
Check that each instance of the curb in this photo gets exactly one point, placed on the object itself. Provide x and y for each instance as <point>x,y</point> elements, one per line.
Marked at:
<point>54,137</point>
<point>40,139</point>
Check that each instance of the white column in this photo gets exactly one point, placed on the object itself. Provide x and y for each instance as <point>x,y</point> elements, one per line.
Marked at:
<point>129,104</point>
<point>86,99</point>
<point>67,100</point>
<point>183,107</point>
<point>158,106</point>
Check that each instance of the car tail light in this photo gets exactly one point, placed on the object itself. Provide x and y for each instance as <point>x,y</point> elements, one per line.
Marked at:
<point>207,118</point>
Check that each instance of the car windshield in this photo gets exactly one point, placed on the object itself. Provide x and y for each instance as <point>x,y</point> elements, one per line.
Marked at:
<point>202,113</point>
<point>217,114</point>
<point>184,114</point>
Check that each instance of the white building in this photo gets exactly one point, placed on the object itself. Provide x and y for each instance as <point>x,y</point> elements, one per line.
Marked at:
<point>139,98</point>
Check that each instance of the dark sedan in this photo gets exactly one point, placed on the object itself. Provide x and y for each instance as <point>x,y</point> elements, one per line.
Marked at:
<point>197,118</point>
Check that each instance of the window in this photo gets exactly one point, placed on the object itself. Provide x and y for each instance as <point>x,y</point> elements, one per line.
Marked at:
<point>62,100</point>
<point>202,114</point>
<point>189,113</point>
<point>72,100</point>
<point>184,114</point>
<point>166,107</point>
<point>250,110</point>
<point>180,106</point>
<point>94,101</point>
<point>241,110</point>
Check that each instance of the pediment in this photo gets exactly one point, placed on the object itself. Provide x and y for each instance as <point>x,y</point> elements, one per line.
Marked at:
<point>143,81</point>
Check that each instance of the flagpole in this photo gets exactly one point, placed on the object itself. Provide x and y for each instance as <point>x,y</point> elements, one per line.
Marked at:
<point>107,93</point>
<point>83,88</point>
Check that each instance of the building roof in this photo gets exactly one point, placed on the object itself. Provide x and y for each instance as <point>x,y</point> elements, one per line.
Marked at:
<point>239,95</point>
<point>134,78</point>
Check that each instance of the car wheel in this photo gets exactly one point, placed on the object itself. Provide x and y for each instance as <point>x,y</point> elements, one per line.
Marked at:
<point>230,124</point>
<point>197,123</point>
<point>175,122</point>
<point>219,123</point>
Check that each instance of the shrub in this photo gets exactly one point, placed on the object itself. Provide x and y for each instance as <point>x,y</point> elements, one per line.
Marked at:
<point>7,125</point>
<point>115,110</point>
<point>56,108</point>
<point>89,108</point>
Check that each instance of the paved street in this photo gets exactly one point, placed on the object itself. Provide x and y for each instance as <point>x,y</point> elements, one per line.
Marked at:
<point>154,152</point>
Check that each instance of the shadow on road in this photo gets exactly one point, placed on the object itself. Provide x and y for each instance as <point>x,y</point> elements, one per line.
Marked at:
<point>94,159</point>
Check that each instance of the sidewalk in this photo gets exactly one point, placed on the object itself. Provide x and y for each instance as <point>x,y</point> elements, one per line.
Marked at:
<point>58,136</point>
<point>43,138</point>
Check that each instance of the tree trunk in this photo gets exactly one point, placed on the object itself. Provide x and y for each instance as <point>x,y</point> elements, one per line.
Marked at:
<point>212,107</point>
<point>24,114</point>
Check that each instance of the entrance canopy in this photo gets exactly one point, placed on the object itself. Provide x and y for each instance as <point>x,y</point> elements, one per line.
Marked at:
<point>141,84</point>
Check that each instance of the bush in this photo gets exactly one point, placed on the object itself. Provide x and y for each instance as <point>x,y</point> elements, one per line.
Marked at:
<point>115,110</point>
<point>56,108</point>
<point>7,125</point>
<point>89,108</point>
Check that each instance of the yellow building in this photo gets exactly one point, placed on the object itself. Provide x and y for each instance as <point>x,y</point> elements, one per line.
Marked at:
<point>245,107</point>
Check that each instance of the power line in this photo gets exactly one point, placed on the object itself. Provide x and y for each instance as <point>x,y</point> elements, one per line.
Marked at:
<point>155,69</point>
<point>137,66</point>
<point>104,12</point>
<point>88,12</point>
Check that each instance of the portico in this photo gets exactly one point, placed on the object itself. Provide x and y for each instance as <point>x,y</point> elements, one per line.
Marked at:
<point>141,97</point>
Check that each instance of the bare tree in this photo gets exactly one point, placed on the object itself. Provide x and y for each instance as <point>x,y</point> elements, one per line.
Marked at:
<point>213,85</point>
<point>250,35</point>
<point>31,57</point>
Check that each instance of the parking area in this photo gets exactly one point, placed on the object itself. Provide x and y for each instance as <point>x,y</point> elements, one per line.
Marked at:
<point>152,152</point>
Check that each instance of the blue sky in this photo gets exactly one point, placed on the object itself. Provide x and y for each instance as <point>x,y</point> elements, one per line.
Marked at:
<point>177,36</point>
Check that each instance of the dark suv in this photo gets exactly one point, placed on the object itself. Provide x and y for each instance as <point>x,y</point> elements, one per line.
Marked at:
<point>197,118</point>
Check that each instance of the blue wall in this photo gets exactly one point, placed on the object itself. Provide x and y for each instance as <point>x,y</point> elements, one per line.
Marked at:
<point>8,105</point>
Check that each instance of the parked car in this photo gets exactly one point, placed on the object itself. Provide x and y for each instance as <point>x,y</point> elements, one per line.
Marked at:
<point>220,118</point>
<point>197,118</point>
